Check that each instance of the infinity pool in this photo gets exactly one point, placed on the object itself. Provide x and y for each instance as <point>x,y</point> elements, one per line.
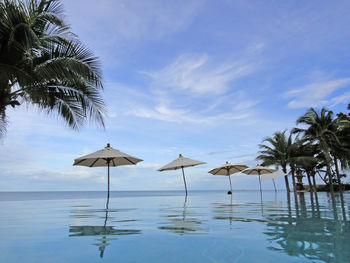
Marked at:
<point>154,227</point>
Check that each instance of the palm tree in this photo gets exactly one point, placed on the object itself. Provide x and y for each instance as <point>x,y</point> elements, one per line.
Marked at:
<point>295,156</point>
<point>343,153</point>
<point>276,153</point>
<point>311,161</point>
<point>44,64</point>
<point>320,129</point>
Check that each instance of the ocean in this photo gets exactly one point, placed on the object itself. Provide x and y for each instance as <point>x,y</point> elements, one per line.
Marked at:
<point>165,226</point>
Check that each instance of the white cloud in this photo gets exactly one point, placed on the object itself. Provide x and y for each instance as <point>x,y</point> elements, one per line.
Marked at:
<point>198,75</point>
<point>256,47</point>
<point>316,94</point>
<point>344,98</point>
<point>194,89</point>
<point>217,152</point>
<point>165,113</point>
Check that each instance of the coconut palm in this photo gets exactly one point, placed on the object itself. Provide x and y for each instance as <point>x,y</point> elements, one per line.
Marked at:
<point>295,157</point>
<point>310,162</point>
<point>44,64</point>
<point>320,129</point>
<point>276,153</point>
<point>343,153</point>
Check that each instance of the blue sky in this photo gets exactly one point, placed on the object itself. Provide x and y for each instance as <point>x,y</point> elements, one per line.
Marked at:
<point>208,79</point>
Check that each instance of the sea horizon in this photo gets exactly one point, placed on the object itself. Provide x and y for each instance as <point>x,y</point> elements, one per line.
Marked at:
<point>88,194</point>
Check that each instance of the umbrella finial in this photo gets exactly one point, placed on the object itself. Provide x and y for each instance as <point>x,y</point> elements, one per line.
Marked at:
<point>108,145</point>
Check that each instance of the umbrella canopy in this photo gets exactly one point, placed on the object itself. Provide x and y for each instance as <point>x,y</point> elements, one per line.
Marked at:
<point>106,157</point>
<point>181,163</point>
<point>227,170</point>
<point>272,175</point>
<point>258,170</point>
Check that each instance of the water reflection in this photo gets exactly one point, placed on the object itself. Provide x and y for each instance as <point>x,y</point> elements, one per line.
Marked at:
<point>312,233</point>
<point>181,221</point>
<point>103,231</point>
<point>224,211</point>
<point>227,211</point>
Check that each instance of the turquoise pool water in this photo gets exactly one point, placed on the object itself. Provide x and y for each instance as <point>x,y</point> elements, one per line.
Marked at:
<point>165,227</point>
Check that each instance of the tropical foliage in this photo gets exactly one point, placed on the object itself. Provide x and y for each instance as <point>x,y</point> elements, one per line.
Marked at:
<point>44,64</point>
<point>321,146</point>
<point>276,151</point>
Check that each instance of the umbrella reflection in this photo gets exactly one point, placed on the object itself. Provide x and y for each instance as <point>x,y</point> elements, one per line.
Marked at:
<point>182,221</point>
<point>95,230</point>
<point>224,211</point>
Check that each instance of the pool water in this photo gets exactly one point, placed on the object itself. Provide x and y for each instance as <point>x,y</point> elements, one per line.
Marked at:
<point>207,226</point>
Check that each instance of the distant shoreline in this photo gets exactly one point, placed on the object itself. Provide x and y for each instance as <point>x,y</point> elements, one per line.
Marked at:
<point>325,188</point>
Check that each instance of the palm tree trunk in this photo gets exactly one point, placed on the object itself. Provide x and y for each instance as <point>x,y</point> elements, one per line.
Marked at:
<point>295,190</point>
<point>314,181</point>
<point>284,169</point>
<point>293,179</point>
<point>309,181</point>
<point>330,177</point>
<point>329,174</point>
<point>338,174</point>
<point>340,185</point>
<point>329,168</point>
<point>315,188</point>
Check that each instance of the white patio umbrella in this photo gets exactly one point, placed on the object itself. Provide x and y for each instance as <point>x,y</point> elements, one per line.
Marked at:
<point>227,170</point>
<point>259,170</point>
<point>181,162</point>
<point>106,157</point>
<point>273,176</point>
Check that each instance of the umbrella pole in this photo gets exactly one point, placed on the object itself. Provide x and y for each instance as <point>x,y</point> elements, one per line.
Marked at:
<point>183,175</point>
<point>274,185</point>
<point>108,161</point>
<point>260,186</point>
<point>229,177</point>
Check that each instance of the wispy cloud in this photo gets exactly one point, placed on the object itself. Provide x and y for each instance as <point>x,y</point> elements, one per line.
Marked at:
<point>164,113</point>
<point>317,93</point>
<point>216,152</point>
<point>198,75</point>
<point>344,98</point>
<point>195,89</point>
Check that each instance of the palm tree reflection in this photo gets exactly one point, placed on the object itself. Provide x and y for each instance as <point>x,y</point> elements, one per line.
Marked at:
<point>104,231</point>
<point>182,222</point>
<point>308,234</point>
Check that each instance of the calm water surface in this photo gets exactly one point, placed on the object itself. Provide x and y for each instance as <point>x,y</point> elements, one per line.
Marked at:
<point>165,227</point>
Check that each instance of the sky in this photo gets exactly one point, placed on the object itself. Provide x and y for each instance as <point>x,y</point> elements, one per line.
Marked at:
<point>207,79</point>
